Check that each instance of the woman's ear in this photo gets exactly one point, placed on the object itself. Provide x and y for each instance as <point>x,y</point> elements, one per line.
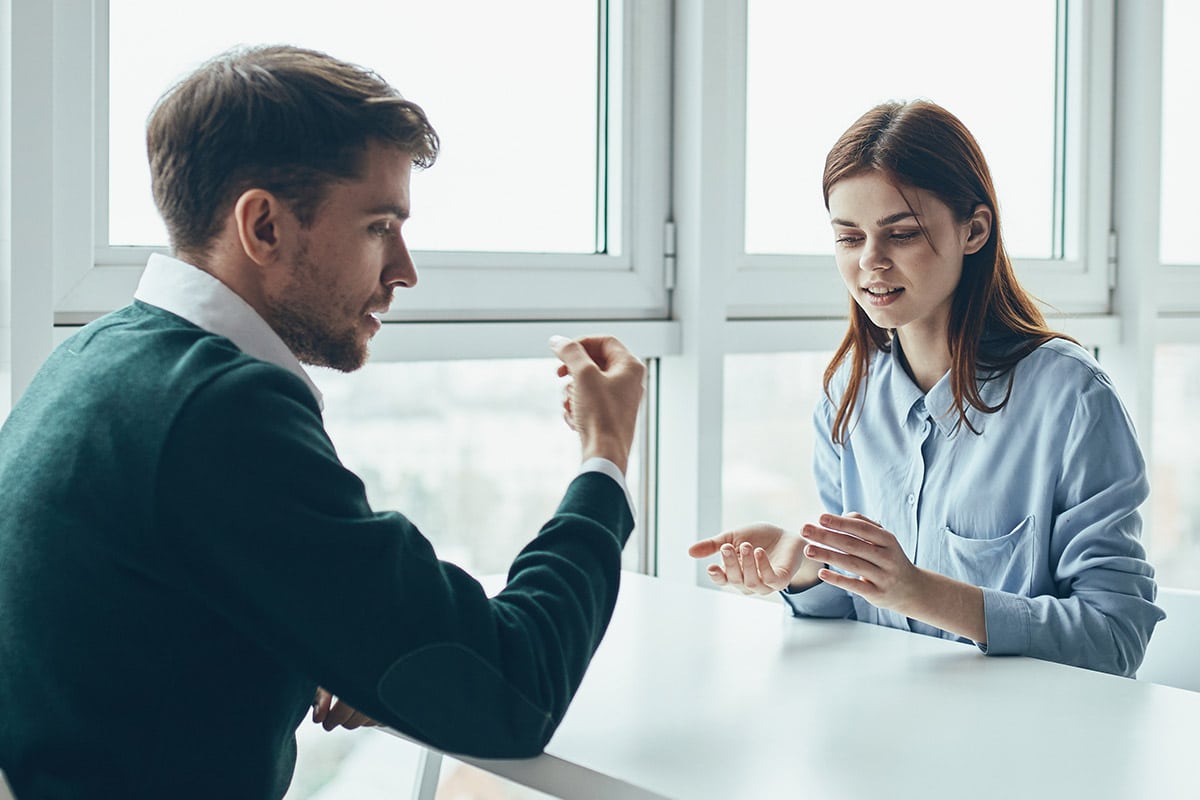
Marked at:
<point>261,220</point>
<point>979,229</point>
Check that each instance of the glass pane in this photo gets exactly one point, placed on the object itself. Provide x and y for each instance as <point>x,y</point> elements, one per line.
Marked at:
<point>814,68</point>
<point>474,453</point>
<point>518,168</point>
<point>1174,540</point>
<point>1180,169</point>
<point>768,444</point>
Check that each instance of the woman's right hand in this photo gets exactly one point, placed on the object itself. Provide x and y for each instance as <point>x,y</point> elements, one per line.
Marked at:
<point>755,559</point>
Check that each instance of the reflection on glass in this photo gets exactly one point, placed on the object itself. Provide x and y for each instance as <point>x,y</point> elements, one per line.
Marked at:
<point>1174,540</point>
<point>1180,169</point>
<point>518,165</point>
<point>814,68</point>
<point>768,444</point>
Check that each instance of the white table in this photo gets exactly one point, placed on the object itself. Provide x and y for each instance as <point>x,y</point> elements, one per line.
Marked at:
<point>696,693</point>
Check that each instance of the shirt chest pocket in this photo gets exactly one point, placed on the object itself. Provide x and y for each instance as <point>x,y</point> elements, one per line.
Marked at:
<point>1004,563</point>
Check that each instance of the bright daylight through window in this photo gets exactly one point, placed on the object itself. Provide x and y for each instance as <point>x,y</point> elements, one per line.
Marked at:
<point>518,168</point>
<point>813,68</point>
<point>1181,169</point>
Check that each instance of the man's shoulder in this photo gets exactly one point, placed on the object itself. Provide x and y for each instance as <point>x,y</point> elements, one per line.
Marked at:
<point>151,360</point>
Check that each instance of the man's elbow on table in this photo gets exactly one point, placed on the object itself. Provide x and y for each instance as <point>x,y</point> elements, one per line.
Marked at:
<point>458,703</point>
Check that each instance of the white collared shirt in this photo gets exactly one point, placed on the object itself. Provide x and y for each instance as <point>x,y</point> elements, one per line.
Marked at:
<point>200,298</point>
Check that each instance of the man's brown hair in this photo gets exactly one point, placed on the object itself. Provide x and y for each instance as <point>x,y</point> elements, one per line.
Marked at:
<point>285,119</point>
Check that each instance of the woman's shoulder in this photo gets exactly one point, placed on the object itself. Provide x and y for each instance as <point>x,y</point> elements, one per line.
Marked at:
<point>1063,372</point>
<point>1063,358</point>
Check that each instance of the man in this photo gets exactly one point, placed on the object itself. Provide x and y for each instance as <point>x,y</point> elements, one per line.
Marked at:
<point>184,558</point>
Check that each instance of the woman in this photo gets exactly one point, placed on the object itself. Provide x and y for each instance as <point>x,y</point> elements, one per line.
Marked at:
<point>982,476</point>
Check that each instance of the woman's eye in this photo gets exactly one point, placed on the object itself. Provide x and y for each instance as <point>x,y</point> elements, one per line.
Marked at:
<point>848,240</point>
<point>904,236</point>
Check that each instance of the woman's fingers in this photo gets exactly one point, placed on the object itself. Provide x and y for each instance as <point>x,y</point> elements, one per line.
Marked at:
<point>732,564</point>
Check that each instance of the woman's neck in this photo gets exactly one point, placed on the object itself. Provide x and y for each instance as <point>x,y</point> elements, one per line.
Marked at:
<point>926,355</point>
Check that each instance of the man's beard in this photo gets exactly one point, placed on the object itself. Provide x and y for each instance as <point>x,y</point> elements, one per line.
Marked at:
<point>298,320</point>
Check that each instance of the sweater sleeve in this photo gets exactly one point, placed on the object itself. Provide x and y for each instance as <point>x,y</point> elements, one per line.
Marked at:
<point>1103,612</point>
<point>269,529</point>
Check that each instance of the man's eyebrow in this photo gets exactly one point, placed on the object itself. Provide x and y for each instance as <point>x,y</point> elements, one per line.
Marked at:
<point>888,220</point>
<point>396,211</point>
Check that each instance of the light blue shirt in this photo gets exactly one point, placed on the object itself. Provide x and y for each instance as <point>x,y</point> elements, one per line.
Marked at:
<point>1040,509</point>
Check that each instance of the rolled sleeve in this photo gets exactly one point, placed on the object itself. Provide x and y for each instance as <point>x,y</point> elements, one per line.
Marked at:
<point>1008,622</point>
<point>822,600</point>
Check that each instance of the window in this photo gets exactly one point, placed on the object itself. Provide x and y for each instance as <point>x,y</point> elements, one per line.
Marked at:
<point>549,197</point>
<point>813,68</point>
<point>1174,539</point>
<point>523,165</point>
<point>768,445</point>
<point>1181,171</point>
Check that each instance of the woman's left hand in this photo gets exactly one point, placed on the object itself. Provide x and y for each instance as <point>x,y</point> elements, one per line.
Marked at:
<point>886,577</point>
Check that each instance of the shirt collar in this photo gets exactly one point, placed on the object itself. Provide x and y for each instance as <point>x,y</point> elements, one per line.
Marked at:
<point>200,298</point>
<point>938,402</point>
<point>907,398</point>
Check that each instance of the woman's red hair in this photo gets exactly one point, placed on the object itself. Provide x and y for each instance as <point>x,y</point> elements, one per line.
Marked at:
<point>923,146</point>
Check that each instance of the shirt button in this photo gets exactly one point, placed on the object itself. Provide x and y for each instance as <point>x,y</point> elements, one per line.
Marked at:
<point>912,498</point>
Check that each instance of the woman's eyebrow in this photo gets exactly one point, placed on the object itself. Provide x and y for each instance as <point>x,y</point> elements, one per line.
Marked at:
<point>888,220</point>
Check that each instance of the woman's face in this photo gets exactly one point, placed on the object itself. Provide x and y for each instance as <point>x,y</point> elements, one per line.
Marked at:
<point>903,277</point>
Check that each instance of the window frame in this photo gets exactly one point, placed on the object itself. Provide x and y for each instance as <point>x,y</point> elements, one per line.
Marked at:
<point>91,277</point>
<point>1078,282</point>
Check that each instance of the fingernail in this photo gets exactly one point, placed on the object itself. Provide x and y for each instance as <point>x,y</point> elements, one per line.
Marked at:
<point>557,340</point>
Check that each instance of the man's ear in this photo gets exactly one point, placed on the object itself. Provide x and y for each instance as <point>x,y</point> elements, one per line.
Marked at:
<point>262,221</point>
<point>979,229</point>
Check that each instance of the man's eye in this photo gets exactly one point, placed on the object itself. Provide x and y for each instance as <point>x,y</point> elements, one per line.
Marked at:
<point>381,229</point>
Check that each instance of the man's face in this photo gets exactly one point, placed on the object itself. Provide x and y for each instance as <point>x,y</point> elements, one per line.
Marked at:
<point>342,270</point>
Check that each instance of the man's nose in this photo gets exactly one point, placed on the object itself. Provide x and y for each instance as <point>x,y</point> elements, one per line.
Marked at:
<point>400,270</point>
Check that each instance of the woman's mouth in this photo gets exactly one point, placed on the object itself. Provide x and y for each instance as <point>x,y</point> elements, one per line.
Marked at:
<point>880,296</point>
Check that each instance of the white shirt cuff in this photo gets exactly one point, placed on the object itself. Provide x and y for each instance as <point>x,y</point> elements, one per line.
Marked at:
<point>597,464</point>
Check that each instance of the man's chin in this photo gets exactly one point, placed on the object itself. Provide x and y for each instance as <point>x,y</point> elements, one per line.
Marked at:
<point>342,356</point>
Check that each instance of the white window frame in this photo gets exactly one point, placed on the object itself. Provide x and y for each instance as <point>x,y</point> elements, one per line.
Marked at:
<point>805,286</point>
<point>1177,292</point>
<point>91,278</point>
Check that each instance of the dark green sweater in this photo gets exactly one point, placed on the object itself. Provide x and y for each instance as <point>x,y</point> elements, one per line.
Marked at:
<point>183,559</point>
